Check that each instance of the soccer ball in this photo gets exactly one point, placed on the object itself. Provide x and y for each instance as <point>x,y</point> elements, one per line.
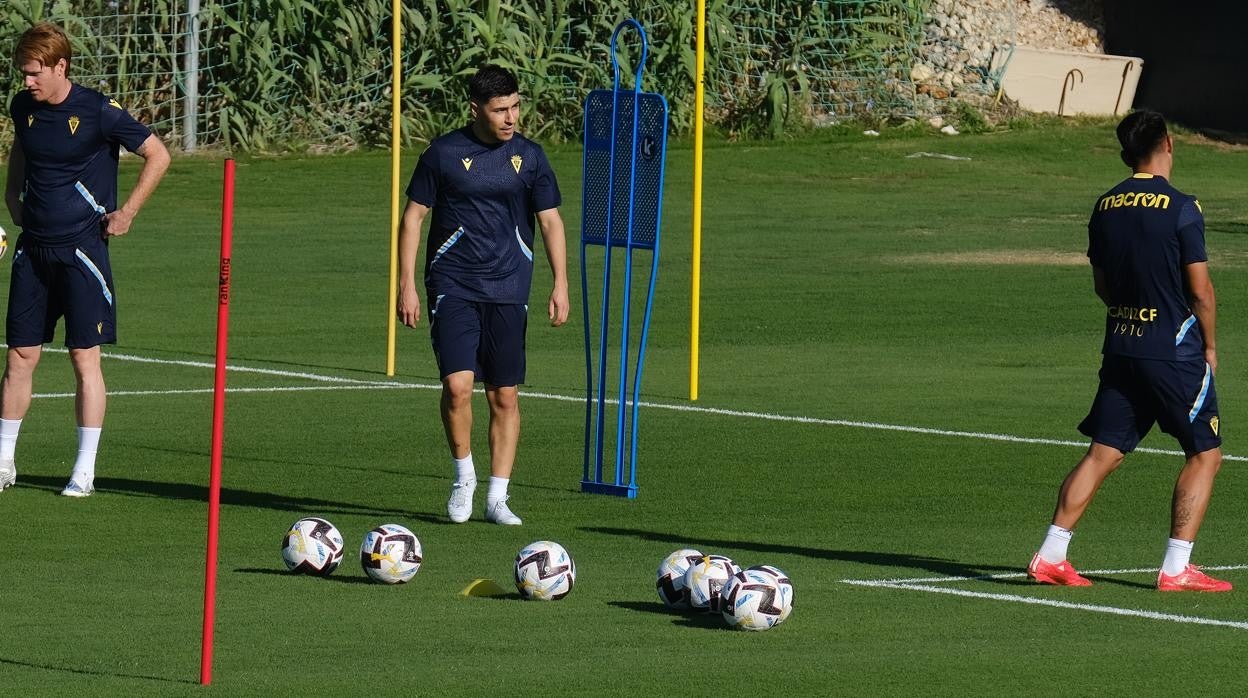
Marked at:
<point>544,571</point>
<point>784,599</point>
<point>752,600</point>
<point>4,242</point>
<point>671,577</point>
<point>705,578</point>
<point>312,546</point>
<point>390,554</point>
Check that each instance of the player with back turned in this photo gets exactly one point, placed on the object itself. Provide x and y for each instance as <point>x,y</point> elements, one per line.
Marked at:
<point>1146,243</point>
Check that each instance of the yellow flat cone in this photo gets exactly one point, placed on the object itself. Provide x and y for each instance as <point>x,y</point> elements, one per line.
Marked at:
<point>483,587</point>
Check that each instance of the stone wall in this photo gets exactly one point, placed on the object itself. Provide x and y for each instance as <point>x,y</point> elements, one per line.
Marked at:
<point>963,37</point>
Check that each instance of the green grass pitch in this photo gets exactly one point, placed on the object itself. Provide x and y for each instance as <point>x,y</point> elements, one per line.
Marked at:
<point>873,327</point>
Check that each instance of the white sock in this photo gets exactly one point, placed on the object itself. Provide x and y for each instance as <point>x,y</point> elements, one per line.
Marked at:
<point>464,470</point>
<point>88,444</point>
<point>8,437</point>
<point>1053,549</point>
<point>498,490</point>
<point>1178,554</point>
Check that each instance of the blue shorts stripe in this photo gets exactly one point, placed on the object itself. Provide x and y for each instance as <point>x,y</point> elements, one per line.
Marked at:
<point>95,271</point>
<point>1200,399</point>
<point>82,189</point>
<point>454,238</point>
<point>528,253</point>
<point>1187,325</point>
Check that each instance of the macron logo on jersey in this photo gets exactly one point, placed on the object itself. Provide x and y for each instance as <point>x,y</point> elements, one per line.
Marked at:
<point>467,164</point>
<point>1134,199</point>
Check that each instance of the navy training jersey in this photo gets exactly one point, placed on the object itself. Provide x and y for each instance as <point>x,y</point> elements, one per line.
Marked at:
<point>71,150</point>
<point>484,199</point>
<point>1142,234</point>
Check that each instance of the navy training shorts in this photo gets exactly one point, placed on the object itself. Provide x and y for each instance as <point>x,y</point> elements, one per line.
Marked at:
<point>485,338</point>
<point>1178,396</point>
<point>48,283</point>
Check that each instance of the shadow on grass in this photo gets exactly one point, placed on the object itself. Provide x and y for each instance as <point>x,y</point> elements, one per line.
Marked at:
<point>944,566</point>
<point>93,672</point>
<point>340,579</point>
<point>680,616</point>
<point>231,497</point>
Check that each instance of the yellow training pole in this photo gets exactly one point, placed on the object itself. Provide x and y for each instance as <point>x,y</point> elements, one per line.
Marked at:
<point>700,95</point>
<point>396,47</point>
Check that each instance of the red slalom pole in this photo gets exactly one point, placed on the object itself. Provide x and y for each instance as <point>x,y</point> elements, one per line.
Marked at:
<point>218,422</point>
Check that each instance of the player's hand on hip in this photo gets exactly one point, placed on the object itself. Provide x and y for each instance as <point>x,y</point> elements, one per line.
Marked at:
<point>116,223</point>
<point>408,306</point>
<point>559,307</point>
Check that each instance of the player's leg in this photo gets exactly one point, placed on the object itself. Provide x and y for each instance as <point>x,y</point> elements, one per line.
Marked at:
<point>1190,414</point>
<point>90,321</point>
<point>1192,491</point>
<point>16,388</point>
<point>1115,423</point>
<point>90,400</point>
<point>31,317</point>
<point>455,330</point>
<point>1082,483</point>
<point>503,365</point>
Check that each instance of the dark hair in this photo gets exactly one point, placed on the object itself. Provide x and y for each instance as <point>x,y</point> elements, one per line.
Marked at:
<point>491,81</point>
<point>1141,133</point>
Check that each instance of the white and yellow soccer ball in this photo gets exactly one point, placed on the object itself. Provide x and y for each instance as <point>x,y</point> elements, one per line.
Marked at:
<point>4,242</point>
<point>312,546</point>
<point>706,578</point>
<point>670,577</point>
<point>544,571</point>
<point>784,587</point>
<point>391,554</point>
<point>753,600</point>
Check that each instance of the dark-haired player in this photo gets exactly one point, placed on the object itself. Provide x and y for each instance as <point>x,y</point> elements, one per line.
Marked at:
<point>486,184</point>
<point>62,191</point>
<point>1146,243</point>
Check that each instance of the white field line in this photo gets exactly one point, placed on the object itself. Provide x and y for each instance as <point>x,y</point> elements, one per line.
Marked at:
<point>1091,608</point>
<point>1019,575</point>
<point>343,383</point>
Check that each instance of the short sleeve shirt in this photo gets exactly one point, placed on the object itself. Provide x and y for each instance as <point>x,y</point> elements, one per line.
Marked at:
<point>484,198</point>
<point>1142,234</point>
<point>72,150</point>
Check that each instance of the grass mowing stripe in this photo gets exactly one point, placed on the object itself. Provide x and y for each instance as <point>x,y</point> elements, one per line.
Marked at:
<point>985,436</point>
<point>1113,610</point>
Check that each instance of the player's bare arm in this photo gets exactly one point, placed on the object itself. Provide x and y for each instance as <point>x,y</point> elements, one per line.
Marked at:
<point>14,182</point>
<point>407,305</point>
<point>155,162</point>
<point>555,242</point>
<point>1100,285</point>
<point>1204,307</point>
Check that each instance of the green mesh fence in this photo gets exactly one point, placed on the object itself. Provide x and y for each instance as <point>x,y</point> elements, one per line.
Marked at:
<point>299,74</point>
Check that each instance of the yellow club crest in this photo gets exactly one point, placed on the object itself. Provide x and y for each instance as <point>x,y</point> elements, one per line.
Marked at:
<point>73,124</point>
<point>1213,424</point>
<point>516,162</point>
<point>467,163</point>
